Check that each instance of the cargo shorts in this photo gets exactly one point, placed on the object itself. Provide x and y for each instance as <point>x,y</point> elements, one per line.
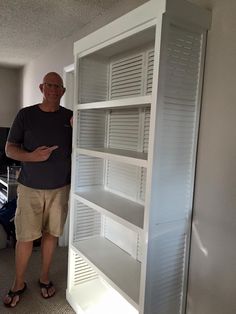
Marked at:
<point>40,211</point>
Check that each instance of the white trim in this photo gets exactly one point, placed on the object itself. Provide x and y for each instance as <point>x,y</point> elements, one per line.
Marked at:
<point>64,238</point>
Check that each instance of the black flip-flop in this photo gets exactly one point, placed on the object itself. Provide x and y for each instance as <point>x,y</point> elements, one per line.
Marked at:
<point>12,294</point>
<point>46,286</point>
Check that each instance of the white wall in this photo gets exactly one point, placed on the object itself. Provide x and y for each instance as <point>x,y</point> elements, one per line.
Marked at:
<point>61,55</point>
<point>10,91</point>
<point>212,282</point>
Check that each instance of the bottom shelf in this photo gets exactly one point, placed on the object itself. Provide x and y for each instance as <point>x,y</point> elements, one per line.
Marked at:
<point>97,297</point>
<point>114,264</point>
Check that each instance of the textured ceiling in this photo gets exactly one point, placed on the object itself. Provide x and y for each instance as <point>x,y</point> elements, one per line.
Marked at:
<point>27,27</point>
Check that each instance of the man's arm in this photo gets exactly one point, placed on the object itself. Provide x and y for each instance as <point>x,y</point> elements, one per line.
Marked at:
<point>16,152</point>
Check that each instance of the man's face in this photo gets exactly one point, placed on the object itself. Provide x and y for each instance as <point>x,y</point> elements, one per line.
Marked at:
<point>52,88</point>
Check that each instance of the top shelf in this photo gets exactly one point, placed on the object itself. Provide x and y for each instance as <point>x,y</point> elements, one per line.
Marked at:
<point>116,103</point>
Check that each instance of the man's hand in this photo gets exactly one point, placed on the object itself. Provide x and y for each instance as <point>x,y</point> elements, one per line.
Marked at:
<point>42,153</point>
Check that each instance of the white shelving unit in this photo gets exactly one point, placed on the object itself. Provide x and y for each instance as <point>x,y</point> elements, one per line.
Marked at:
<point>136,113</point>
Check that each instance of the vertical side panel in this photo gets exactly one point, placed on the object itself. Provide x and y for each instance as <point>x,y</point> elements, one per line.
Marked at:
<point>173,168</point>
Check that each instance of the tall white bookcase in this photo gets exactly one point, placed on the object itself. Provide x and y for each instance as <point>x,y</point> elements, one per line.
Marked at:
<point>138,84</point>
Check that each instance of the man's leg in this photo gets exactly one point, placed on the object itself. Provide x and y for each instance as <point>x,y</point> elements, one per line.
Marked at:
<point>48,245</point>
<point>22,254</point>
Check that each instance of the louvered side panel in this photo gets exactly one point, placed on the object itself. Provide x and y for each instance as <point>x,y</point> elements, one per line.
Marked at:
<point>87,222</point>
<point>92,128</point>
<point>183,64</point>
<point>126,77</point>
<point>171,201</point>
<point>89,171</point>
<point>178,115</point>
<point>82,271</point>
<point>149,71</point>
<point>93,80</point>
<point>122,179</point>
<point>164,289</point>
<point>123,129</point>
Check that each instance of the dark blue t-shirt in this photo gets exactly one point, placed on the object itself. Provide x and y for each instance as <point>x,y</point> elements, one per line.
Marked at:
<point>32,128</point>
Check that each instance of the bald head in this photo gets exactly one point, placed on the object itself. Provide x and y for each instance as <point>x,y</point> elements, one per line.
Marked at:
<point>53,76</point>
<point>52,90</point>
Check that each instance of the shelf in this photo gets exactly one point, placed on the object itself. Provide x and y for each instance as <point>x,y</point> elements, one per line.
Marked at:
<point>104,298</point>
<point>116,103</point>
<point>120,155</point>
<point>115,265</point>
<point>116,207</point>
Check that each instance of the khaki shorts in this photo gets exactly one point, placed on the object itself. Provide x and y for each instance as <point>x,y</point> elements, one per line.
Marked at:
<point>40,211</point>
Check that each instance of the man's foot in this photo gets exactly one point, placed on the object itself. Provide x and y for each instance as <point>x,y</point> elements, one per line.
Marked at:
<point>47,289</point>
<point>13,297</point>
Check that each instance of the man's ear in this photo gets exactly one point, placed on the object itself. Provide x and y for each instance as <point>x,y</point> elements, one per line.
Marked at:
<point>41,87</point>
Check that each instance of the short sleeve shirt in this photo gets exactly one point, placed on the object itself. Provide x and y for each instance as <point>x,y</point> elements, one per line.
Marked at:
<point>32,128</point>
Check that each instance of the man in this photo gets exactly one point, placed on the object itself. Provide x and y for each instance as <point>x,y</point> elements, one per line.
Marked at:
<point>40,138</point>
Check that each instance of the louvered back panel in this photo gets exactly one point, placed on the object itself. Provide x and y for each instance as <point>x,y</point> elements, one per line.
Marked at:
<point>82,271</point>
<point>123,129</point>
<point>89,171</point>
<point>93,80</point>
<point>126,77</point>
<point>87,222</point>
<point>92,128</point>
<point>149,71</point>
<point>128,129</point>
<point>121,178</point>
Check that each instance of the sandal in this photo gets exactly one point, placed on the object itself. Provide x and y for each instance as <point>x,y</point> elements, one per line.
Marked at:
<point>11,294</point>
<point>46,286</point>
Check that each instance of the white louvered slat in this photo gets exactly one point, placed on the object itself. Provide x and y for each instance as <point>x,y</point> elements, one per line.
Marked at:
<point>126,77</point>
<point>93,80</point>
<point>87,222</point>
<point>149,71</point>
<point>82,271</point>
